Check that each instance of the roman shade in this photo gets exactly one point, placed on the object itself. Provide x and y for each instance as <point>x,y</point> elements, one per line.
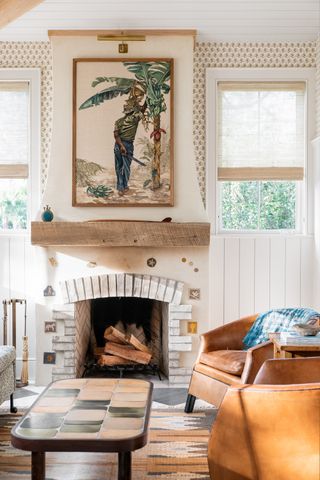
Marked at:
<point>14,129</point>
<point>261,130</point>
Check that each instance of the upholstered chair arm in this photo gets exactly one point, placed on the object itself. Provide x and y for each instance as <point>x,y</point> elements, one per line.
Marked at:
<point>256,356</point>
<point>226,337</point>
<point>7,357</point>
<point>289,371</point>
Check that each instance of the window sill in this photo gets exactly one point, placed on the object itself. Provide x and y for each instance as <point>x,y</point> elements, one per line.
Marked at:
<point>14,233</point>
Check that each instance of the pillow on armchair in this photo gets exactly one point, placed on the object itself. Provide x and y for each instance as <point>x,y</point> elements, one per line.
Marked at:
<point>278,320</point>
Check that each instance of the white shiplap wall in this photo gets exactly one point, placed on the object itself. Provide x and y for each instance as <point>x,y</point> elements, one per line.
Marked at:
<point>215,20</point>
<point>250,275</point>
<point>17,280</point>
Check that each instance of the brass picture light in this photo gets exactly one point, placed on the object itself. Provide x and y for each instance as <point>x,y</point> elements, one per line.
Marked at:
<point>122,47</point>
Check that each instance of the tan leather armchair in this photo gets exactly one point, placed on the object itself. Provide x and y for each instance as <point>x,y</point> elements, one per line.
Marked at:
<point>269,430</point>
<point>222,362</point>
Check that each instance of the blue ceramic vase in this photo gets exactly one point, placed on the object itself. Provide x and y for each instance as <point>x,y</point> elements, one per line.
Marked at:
<point>47,215</point>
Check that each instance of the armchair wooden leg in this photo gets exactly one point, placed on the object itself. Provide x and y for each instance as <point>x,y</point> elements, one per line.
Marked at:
<point>190,403</point>
<point>13,409</point>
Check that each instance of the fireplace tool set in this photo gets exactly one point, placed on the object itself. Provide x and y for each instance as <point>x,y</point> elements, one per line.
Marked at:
<point>13,302</point>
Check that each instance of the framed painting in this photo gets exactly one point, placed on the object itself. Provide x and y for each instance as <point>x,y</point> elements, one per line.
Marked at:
<point>122,132</point>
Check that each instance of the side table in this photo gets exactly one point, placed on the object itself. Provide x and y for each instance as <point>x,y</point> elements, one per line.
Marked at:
<point>287,348</point>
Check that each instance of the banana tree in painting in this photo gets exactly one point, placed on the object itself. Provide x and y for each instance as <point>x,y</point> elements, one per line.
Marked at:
<point>153,78</point>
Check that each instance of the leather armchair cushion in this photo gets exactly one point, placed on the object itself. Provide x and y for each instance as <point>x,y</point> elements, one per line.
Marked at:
<point>218,375</point>
<point>229,361</point>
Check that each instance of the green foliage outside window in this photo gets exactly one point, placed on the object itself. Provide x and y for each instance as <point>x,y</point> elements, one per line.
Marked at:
<point>13,204</point>
<point>269,205</point>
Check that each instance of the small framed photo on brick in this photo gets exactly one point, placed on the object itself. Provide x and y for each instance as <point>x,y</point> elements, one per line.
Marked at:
<point>49,291</point>
<point>194,293</point>
<point>50,327</point>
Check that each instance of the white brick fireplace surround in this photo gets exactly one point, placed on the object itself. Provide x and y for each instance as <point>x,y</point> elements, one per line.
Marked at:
<point>77,293</point>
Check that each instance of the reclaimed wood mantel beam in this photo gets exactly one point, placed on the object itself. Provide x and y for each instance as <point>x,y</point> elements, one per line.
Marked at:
<point>120,233</point>
<point>10,10</point>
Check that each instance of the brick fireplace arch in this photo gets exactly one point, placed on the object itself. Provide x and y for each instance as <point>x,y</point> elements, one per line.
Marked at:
<point>122,285</point>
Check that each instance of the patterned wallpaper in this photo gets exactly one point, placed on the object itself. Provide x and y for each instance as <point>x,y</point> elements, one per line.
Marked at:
<point>230,55</point>
<point>238,55</point>
<point>35,55</point>
<point>318,87</point>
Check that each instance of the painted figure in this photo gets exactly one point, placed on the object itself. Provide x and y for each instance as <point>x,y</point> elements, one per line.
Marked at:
<point>125,130</point>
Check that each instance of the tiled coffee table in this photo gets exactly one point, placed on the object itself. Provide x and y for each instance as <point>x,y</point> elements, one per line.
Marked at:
<point>86,415</point>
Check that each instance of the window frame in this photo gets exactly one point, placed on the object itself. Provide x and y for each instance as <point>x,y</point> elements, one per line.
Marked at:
<point>305,192</point>
<point>33,77</point>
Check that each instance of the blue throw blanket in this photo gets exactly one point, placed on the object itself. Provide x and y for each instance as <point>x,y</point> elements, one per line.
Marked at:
<point>279,320</point>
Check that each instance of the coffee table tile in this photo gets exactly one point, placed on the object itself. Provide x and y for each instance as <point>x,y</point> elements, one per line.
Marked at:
<point>126,412</point>
<point>133,382</point>
<point>51,402</point>
<point>37,432</point>
<point>130,397</point>
<point>124,423</point>
<point>86,428</point>
<point>86,394</point>
<point>124,389</point>
<point>73,383</point>
<point>61,392</point>
<point>56,409</point>
<point>42,421</point>
<point>91,404</point>
<point>76,436</point>
<point>79,416</point>
<point>125,403</point>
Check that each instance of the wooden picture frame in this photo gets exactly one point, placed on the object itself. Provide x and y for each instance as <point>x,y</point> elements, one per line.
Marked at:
<point>123,113</point>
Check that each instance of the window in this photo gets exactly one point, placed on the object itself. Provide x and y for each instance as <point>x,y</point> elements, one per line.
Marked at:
<point>14,154</point>
<point>19,149</point>
<point>260,154</point>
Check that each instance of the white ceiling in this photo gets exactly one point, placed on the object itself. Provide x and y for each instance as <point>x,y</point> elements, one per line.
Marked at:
<point>215,20</point>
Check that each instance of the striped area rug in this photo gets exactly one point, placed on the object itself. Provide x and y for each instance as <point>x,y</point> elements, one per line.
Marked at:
<point>177,450</point>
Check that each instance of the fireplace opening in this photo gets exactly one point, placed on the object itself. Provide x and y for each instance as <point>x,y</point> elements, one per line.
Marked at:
<point>128,335</point>
<point>127,314</point>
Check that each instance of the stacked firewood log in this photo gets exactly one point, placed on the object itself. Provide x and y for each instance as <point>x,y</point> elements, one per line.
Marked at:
<point>121,349</point>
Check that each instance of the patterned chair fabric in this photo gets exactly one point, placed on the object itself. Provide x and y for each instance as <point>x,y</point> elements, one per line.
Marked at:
<point>7,372</point>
